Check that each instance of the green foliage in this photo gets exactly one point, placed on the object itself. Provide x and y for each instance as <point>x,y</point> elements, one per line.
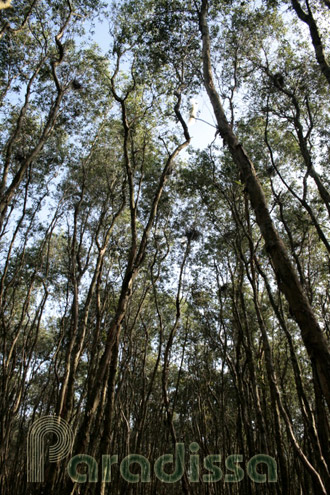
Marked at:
<point>208,347</point>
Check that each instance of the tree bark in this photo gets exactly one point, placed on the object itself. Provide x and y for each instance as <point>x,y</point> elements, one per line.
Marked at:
<point>316,39</point>
<point>286,275</point>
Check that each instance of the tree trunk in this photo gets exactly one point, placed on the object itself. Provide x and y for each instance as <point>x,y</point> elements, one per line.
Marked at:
<point>286,275</point>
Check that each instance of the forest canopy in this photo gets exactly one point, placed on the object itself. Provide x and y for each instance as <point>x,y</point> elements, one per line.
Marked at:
<point>165,248</point>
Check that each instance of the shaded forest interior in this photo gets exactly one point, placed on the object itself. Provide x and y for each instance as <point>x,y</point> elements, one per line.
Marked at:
<point>157,289</point>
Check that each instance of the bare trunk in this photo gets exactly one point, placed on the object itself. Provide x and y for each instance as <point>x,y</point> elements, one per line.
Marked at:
<point>286,275</point>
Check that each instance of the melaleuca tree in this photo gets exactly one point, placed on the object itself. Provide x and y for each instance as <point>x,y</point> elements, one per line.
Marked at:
<point>143,299</point>
<point>42,73</point>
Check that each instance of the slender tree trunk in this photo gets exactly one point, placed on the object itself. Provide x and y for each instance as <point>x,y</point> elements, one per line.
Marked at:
<point>286,275</point>
<point>315,36</point>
